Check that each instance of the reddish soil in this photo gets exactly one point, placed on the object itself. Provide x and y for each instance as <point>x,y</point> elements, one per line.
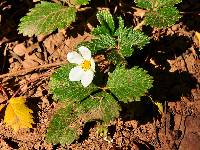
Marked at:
<point>172,58</point>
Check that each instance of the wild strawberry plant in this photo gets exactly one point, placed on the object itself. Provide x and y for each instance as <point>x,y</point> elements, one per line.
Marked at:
<point>90,92</point>
<point>90,87</point>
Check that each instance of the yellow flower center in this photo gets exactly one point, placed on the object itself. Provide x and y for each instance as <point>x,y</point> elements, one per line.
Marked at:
<point>86,65</point>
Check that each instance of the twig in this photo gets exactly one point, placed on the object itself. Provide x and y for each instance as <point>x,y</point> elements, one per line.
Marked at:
<point>25,71</point>
<point>31,81</point>
<point>139,25</point>
<point>190,12</point>
<point>3,92</point>
<point>16,56</point>
<point>4,57</point>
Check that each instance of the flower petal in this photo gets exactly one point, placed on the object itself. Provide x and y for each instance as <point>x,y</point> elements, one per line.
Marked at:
<point>92,64</point>
<point>85,52</point>
<point>76,73</point>
<point>87,77</point>
<point>74,57</point>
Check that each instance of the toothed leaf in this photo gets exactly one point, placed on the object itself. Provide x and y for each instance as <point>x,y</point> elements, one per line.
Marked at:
<point>120,26</point>
<point>150,4</point>
<point>66,125</point>
<point>147,4</point>
<point>162,17</point>
<point>101,42</point>
<point>129,85</point>
<point>107,25</point>
<point>45,18</point>
<point>128,39</point>
<point>59,130</point>
<point>17,114</point>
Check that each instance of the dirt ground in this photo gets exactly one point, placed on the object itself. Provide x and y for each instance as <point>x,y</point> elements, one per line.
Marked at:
<point>172,58</point>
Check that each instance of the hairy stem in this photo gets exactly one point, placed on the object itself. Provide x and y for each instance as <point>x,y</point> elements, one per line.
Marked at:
<point>139,25</point>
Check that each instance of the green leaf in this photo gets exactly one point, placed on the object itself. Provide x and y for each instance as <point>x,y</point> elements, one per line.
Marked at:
<point>107,25</point>
<point>129,85</point>
<point>123,39</point>
<point>147,4</point>
<point>79,2</point>
<point>59,130</point>
<point>100,43</point>
<point>66,124</point>
<point>162,13</point>
<point>127,38</point>
<point>101,106</point>
<point>92,103</point>
<point>115,57</point>
<point>45,18</point>
<point>151,4</point>
<point>162,17</point>
<point>164,3</point>
<point>110,108</point>
<point>65,90</point>
<point>120,26</point>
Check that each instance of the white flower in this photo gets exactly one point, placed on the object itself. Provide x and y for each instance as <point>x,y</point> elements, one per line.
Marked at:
<point>84,71</point>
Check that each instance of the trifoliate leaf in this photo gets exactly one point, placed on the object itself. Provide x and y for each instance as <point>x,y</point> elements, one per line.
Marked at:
<point>129,85</point>
<point>65,90</point>
<point>106,37</point>
<point>127,38</point>
<point>66,125</point>
<point>151,4</point>
<point>123,39</point>
<point>107,25</point>
<point>59,130</point>
<point>17,114</point>
<point>46,17</point>
<point>101,42</point>
<point>162,17</point>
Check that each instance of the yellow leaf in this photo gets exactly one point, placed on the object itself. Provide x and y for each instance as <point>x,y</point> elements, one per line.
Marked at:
<point>160,107</point>
<point>197,34</point>
<point>17,114</point>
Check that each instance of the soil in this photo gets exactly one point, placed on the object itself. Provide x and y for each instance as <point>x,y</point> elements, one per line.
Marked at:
<point>172,58</point>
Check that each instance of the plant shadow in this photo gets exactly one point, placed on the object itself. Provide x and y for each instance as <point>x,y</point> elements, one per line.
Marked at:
<point>168,85</point>
<point>143,111</point>
<point>190,17</point>
<point>32,103</point>
<point>86,131</point>
<point>11,13</point>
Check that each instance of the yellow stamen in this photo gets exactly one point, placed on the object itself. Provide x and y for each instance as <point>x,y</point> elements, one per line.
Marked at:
<point>86,65</point>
